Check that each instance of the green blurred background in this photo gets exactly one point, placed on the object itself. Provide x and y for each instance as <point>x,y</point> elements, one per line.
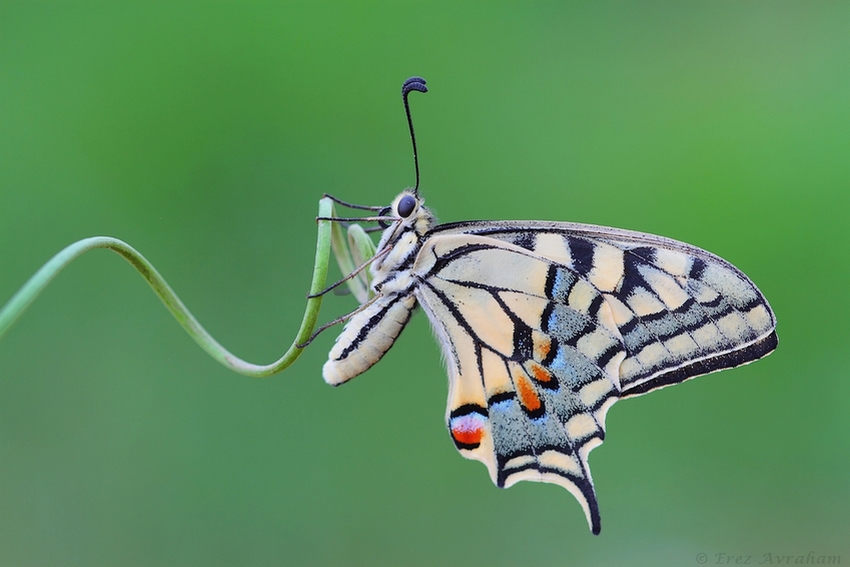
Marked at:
<point>204,133</point>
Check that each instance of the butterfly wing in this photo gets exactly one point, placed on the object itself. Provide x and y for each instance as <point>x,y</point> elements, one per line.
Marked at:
<point>682,311</point>
<point>527,400</point>
<point>545,325</point>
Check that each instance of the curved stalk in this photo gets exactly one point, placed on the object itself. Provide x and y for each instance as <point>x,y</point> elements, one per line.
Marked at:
<point>30,290</point>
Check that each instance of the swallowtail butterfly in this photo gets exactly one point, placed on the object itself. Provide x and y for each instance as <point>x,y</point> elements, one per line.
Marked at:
<point>544,325</point>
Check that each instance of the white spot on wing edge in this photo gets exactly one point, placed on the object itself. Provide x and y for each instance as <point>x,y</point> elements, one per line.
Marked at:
<point>708,336</point>
<point>580,426</point>
<point>759,318</point>
<point>591,393</point>
<point>733,326</point>
<point>681,345</point>
<point>652,355</point>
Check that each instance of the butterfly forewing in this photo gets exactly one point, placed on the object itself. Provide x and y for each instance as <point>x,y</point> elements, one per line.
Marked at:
<point>681,311</point>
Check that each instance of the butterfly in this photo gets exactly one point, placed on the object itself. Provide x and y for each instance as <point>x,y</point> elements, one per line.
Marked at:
<point>545,325</point>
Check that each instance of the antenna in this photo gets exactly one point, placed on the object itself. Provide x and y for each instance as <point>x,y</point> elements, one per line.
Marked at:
<point>413,84</point>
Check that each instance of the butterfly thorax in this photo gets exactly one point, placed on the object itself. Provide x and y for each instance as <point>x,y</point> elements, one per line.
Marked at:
<point>400,243</point>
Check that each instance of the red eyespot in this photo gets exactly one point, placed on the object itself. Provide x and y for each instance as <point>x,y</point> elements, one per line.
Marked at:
<point>468,430</point>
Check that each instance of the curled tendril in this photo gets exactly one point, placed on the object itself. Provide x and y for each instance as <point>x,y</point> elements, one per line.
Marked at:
<point>30,290</point>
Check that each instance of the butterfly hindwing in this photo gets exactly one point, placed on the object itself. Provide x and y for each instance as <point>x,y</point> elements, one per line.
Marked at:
<point>533,356</point>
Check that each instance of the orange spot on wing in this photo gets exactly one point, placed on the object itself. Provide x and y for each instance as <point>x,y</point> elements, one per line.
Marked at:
<point>468,436</point>
<point>540,373</point>
<point>527,396</point>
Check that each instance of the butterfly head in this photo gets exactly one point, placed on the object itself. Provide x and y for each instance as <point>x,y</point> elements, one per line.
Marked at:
<point>408,220</point>
<point>409,215</point>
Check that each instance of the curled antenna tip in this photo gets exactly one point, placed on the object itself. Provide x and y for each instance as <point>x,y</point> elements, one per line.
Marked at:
<point>413,84</point>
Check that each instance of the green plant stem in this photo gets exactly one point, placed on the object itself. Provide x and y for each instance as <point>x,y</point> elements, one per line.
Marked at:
<point>30,290</point>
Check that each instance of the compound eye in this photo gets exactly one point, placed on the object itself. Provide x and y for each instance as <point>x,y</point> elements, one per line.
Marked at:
<point>384,213</point>
<point>405,206</point>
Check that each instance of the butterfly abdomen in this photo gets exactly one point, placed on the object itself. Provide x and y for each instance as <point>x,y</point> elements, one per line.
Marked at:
<point>367,337</point>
